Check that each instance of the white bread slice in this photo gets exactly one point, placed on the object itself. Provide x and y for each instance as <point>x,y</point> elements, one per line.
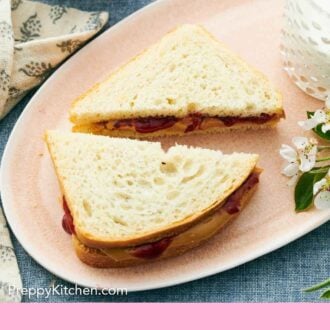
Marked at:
<point>187,71</point>
<point>125,192</point>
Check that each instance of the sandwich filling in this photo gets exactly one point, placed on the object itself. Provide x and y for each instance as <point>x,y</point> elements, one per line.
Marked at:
<point>199,232</point>
<point>187,124</point>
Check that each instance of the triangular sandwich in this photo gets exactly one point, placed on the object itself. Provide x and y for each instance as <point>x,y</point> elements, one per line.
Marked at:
<point>129,201</point>
<point>187,82</point>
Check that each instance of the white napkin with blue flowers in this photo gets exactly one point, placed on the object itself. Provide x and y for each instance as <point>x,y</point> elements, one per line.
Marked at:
<point>34,39</point>
<point>10,279</point>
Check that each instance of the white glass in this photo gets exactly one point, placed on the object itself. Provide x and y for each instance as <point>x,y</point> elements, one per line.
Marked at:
<point>305,45</point>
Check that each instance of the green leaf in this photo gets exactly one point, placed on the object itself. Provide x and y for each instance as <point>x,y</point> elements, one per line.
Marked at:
<point>318,129</point>
<point>318,286</point>
<point>326,294</point>
<point>303,194</point>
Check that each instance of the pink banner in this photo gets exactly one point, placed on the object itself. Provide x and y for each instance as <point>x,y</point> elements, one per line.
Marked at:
<point>166,316</point>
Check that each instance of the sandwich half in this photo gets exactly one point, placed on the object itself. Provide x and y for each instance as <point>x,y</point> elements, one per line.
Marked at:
<point>128,202</point>
<point>187,82</point>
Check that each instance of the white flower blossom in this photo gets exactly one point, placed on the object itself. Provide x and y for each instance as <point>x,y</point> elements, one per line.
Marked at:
<point>319,117</point>
<point>301,160</point>
<point>321,191</point>
<point>292,168</point>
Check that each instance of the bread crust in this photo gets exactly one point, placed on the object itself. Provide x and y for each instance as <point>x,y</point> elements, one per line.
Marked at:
<point>96,258</point>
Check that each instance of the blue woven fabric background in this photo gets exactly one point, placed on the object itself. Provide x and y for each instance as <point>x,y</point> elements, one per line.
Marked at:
<point>276,277</point>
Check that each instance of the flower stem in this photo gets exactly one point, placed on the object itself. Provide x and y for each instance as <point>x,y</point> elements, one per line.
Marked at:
<point>323,159</point>
<point>318,286</point>
<point>323,147</point>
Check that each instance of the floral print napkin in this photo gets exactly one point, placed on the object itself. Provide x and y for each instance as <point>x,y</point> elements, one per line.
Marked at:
<point>10,279</point>
<point>34,39</point>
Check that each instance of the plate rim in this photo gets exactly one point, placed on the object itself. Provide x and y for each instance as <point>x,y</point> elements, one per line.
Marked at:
<point>10,214</point>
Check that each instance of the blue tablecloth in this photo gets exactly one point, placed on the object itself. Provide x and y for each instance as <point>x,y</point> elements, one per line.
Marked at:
<point>276,277</point>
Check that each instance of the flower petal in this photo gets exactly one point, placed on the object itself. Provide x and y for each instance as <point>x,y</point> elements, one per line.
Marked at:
<point>288,153</point>
<point>325,127</point>
<point>319,185</point>
<point>306,165</point>
<point>300,142</point>
<point>307,160</point>
<point>320,116</point>
<point>322,200</point>
<point>291,169</point>
<point>308,124</point>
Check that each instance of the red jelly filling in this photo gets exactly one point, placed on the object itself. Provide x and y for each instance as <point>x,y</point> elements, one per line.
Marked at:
<point>151,250</point>
<point>230,121</point>
<point>153,124</point>
<point>233,203</point>
<point>67,220</point>
<point>147,125</point>
<point>196,122</point>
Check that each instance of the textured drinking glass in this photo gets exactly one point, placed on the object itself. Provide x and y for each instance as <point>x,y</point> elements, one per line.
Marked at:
<point>305,45</point>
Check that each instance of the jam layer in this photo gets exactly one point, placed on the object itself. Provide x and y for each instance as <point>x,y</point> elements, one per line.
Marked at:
<point>187,124</point>
<point>67,220</point>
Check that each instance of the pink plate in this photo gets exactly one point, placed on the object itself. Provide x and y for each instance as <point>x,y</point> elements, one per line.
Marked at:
<point>30,191</point>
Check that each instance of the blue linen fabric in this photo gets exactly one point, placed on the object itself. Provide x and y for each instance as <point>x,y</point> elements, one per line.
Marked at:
<point>276,277</point>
